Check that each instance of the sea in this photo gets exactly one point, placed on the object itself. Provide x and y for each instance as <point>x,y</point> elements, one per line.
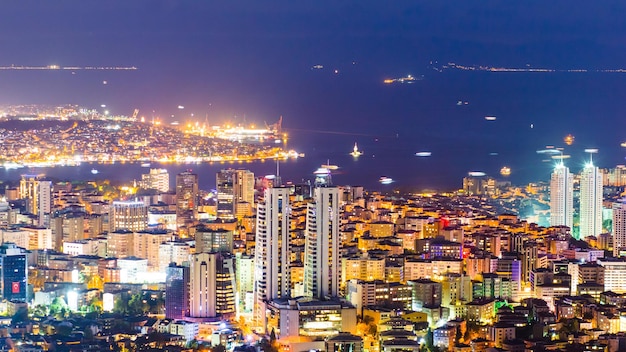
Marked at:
<point>326,112</point>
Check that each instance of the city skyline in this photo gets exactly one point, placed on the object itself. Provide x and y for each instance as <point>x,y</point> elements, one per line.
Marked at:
<point>327,176</point>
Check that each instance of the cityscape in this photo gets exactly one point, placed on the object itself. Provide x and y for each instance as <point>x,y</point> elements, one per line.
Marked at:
<point>312,177</point>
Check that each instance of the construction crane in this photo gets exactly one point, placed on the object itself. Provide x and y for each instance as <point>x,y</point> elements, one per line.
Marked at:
<point>135,113</point>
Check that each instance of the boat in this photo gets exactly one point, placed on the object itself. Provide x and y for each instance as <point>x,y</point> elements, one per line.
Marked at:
<point>423,154</point>
<point>355,151</point>
<point>145,165</point>
<point>490,118</point>
<point>385,180</point>
<point>505,171</point>
<point>94,171</point>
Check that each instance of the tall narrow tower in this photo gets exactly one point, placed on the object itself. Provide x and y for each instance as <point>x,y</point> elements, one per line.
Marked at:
<point>186,201</point>
<point>322,259</point>
<point>212,285</point>
<point>234,189</point>
<point>562,197</point>
<point>590,201</point>
<point>619,226</point>
<point>272,269</point>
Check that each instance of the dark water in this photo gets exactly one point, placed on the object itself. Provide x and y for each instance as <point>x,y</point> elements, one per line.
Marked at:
<point>325,114</point>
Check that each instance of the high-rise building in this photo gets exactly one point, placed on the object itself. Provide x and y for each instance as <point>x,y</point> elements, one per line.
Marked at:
<point>44,203</point>
<point>128,215</point>
<point>619,227</point>
<point>212,285</point>
<point>38,192</point>
<point>244,265</point>
<point>235,193</point>
<point>208,240</point>
<point>272,251</point>
<point>590,201</point>
<point>158,179</point>
<point>13,273</point>
<point>29,189</point>
<point>562,197</point>
<point>321,255</point>
<point>177,291</point>
<point>186,201</point>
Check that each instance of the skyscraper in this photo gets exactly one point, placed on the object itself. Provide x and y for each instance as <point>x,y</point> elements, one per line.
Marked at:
<point>235,189</point>
<point>272,252</point>
<point>212,285</point>
<point>619,226</point>
<point>29,189</point>
<point>225,194</point>
<point>44,206</point>
<point>562,197</point>
<point>13,272</point>
<point>186,201</point>
<point>590,201</point>
<point>177,291</point>
<point>38,192</point>
<point>321,255</point>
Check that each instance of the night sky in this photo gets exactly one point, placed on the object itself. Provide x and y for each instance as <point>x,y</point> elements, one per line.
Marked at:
<point>249,58</point>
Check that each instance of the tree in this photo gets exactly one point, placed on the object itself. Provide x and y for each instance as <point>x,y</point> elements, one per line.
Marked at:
<point>459,335</point>
<point>20,316</point>
<point>429,339</point>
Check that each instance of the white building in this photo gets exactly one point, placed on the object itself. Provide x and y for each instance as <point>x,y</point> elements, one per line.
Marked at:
<point>173,252</point>
<point>187,329</point>
<point>211,285</point>
<point>562,197</point>
<point>322,262</point>
<point>614,275</point>
<point>244,265</point>
<point>132,269</point>
<point>44,204</point>
<point>84,247</point>
<point>590,201</point>
<point>128,215</point>
<point>17,236</point>
<point>158,179</point>
<point>619,226</point>
<point>272,272</point>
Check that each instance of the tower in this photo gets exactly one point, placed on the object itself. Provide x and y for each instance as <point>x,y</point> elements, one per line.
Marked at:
<point>44,203</point>
<point>322,259</point>
<point>235,188</point>
<point>590,201</point>
<point>212,285</point>
<point>272,269</point>
<point>561,197</point>
<point>186,201</point>
<point>619,226</point>
<point>177,291</point>
<point>13,272</point>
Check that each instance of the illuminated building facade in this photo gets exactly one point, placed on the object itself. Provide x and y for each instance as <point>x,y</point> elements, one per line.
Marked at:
<point>218,240</point>
<point>310,317</point>
<point>177,291</point>
<point>158,179</point>
<point>212,285</point>
<point>590,201</point>
<point>128,215</point>
<point>13,273</point>
<point>235,193</point>
<point>322,258</point>
<point>619,226</point>
<point>272,251</point>
<point>562,197</point>
<point>186,201</point>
